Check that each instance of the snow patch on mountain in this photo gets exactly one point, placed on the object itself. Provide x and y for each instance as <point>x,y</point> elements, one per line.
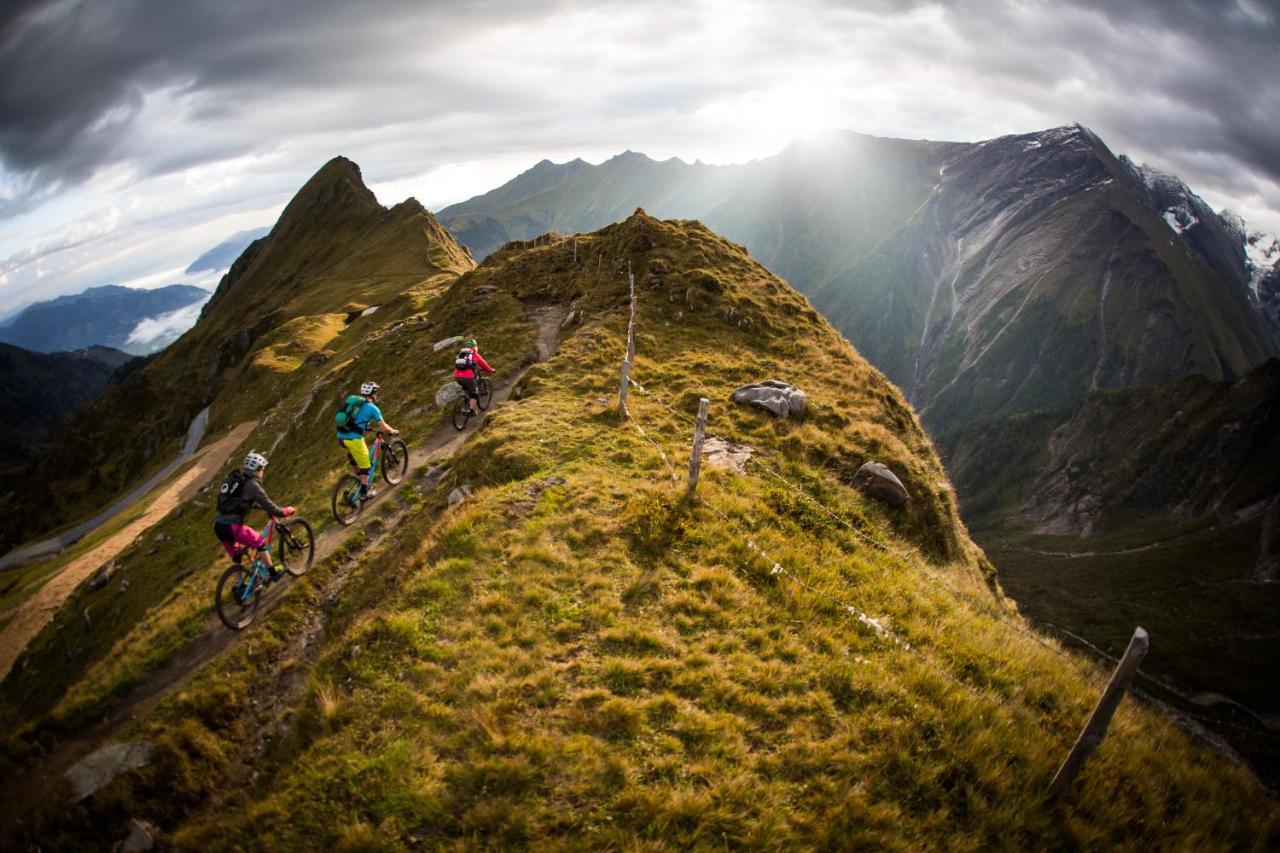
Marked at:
<point>1180,218</point>
<point>1262,256</point>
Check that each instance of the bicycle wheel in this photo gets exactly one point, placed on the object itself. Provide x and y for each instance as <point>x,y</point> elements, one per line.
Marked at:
<point>346,499</point>
<point>297,547</point>
<point>395,461</point>
<point>484,388</point>
<point>235,613</point>
<point>461,413</point>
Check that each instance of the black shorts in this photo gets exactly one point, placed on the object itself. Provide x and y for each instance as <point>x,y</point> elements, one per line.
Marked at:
<point>468,386</point>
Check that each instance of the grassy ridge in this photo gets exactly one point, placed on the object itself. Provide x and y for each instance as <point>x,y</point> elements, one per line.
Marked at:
<point>577,656</point>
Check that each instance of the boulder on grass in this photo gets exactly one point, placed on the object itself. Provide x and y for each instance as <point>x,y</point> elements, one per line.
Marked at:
<point>448,392</point>
<point>104,765</point>
<point>447,342</point>
<point>778,397</point>
<point>877,481</point>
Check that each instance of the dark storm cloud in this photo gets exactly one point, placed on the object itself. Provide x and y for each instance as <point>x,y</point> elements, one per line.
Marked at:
<point>74,75</point>
<point>165,86</point>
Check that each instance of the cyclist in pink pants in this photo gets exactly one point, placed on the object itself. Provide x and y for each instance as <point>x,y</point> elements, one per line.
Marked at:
<point>241,492</point>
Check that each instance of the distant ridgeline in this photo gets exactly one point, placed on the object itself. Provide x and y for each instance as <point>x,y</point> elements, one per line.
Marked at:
<point>987,278</point>
<point>100,316</point>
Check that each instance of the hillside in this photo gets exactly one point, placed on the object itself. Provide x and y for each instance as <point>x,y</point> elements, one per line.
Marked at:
<point>334,253</point>
<point>100,316</point>
<point>1181,515</point>
<point>38,391</point>
<point>989,278</point>
<point>572,655</point>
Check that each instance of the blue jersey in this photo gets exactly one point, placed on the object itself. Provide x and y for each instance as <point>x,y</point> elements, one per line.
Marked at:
<point>365,415</point>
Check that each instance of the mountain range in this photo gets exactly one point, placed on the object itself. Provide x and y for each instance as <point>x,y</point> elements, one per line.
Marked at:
<point>100,316</point>
<point>221,256</point>
<point>983,278</point>
<point>538,637</point>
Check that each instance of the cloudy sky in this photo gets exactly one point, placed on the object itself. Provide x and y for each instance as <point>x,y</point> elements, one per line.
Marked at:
<point>136,135</point>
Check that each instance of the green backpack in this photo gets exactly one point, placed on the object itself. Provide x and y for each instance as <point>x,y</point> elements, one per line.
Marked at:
<point>346,416</point>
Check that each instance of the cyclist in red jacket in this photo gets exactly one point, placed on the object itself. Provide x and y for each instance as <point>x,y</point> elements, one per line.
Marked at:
<point>464,371</point>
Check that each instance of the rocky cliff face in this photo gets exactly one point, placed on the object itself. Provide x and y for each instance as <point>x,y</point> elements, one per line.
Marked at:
<point>1193,449</point>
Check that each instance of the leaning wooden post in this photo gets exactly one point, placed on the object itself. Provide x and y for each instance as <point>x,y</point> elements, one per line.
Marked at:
<point>695,456</point>
<point>1096,729</point>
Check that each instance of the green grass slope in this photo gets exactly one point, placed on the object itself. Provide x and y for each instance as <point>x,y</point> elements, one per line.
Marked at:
<point>576,656</point>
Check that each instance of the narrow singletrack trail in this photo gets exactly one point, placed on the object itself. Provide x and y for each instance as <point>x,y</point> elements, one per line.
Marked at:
<point>36,612</point>
<point>40,780</point>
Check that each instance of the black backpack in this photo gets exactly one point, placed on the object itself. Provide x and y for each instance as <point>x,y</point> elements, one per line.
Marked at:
<point>465,360</point>
<point>231,500</point>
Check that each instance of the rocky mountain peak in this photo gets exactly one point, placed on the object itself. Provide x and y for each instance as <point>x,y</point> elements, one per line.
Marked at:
<point>336,191</point>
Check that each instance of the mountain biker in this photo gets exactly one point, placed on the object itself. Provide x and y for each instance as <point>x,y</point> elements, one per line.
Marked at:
<point>464,371</point>
<point>241,492</point>
<point>351,437</point>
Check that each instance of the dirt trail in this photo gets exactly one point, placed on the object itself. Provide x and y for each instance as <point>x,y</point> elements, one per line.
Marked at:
<point>215,638</point>
<point>34,613</point>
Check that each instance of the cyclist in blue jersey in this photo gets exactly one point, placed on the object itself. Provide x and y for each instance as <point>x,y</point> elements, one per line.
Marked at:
<point>363,415</point>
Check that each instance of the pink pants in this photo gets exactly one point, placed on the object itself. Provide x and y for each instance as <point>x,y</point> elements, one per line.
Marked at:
<point>232,536</point>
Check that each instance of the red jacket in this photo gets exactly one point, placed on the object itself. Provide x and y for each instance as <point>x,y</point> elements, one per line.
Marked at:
<point>471,374</point>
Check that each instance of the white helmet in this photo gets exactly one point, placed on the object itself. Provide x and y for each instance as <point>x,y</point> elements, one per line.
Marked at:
<point>369,388</point>
<point>255,461</point>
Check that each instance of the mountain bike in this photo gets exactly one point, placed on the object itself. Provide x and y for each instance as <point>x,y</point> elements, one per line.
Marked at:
<point>392,456</point>
<point>240,587</point>
<point>462,411</point>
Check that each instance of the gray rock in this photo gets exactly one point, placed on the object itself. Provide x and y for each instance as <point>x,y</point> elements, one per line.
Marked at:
<point>104,574</point>
<point>101,767</point>
<point>447,342</point>
<point>448,392</point>
<point>877,481</point>
<point>431,476</point>
<point>778,397</point>
<point>141,837</point>
<point>161,537</point>
<point>722,454</point>
<point>460,494</point>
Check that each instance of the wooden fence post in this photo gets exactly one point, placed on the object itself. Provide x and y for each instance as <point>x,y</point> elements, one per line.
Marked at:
<point>1096,729</point>
<point>622,391</point>
<point>631,351</point>
<point>695,456</point>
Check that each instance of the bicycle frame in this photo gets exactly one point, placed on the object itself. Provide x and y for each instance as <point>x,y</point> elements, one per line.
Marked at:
<point>375,456</point>
<point>259,567</point>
